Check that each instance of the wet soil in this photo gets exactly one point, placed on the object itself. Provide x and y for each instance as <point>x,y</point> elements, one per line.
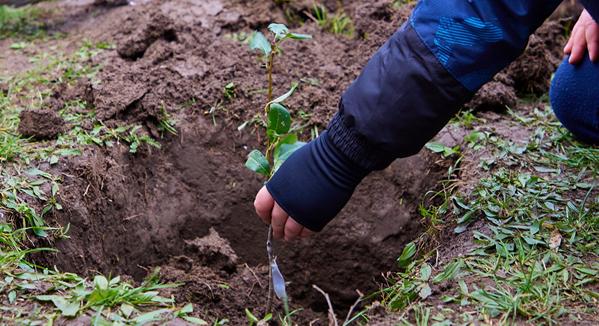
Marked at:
<point>187,207</point>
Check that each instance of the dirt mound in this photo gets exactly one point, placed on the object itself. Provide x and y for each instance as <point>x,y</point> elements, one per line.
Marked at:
<point>40,124</point>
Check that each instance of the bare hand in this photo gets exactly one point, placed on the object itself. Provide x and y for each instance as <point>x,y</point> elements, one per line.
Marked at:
<point>585,36</point>
<point>283,226</point>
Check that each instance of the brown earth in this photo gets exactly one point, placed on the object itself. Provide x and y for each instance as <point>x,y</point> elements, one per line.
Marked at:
<point>40,124</point>
<point>188,206</point>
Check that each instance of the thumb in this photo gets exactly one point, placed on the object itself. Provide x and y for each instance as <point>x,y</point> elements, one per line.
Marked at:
<point>264,204</point>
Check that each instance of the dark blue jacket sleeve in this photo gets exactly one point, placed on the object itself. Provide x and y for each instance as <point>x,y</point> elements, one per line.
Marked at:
<point>592,6</point>
<point>407,92</point>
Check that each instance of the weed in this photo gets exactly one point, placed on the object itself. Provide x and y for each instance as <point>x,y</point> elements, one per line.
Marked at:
<point>229,91</point>
<point>281,142</point>
<point>214,110</point>
<point>338,23</point>
<point>165,122</point>
<point>442,149</point>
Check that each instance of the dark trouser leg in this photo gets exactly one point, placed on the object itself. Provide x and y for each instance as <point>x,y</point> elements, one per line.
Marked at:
<point>575,99</point>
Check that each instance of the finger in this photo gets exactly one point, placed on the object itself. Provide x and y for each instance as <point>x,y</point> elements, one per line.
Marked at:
<point>264,204</point>
<point>592,39</point>
<point>279,219</point>
<point>578,49</point>
<point>570,44</point>
<point>292,229</point>
<point>306,233</point>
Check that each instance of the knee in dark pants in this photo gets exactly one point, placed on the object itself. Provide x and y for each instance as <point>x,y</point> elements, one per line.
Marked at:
<point>575,98</point>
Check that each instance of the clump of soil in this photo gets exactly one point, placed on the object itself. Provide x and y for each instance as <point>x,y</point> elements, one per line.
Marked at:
<point>40,124</point>
<point>159,26</point>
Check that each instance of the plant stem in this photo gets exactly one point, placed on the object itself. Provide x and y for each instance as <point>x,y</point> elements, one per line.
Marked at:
<point>271,62</point>
<point>270,260</point>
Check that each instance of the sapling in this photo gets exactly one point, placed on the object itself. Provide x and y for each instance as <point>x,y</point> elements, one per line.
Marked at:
<point>281,141</point>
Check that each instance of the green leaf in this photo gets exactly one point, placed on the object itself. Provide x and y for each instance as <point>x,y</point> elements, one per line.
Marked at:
<point>37,172</point>
<point>68,309</point>
<point>258,163</point>
<point>114,281</point>
<point>18,46</point>
<point>285,96</point>
<point>435,147</point>
<point>53,159</point>
<point>461,228</point>
<point>425,272</point>
<point>194,320</point>
<point>251,318</point>
<point>101,282</point>
<point>259,42</point>
<point>284,151</point>
<point>450,271</point>
<point>188,308</point>
<point>425,291</point>
<point>126,310</point>
<point>39,232</point>
<point>279,119</point>
<point>150,316</point>
<point>463,287</point>
<point>532,241</point>
<point>281,31</point>
<point>12,297</point>
<point>296,36</point>
<point>406,256</point>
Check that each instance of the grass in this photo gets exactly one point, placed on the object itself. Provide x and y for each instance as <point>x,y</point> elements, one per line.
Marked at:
<point>532,224</point>
<point>338,23</point>
<point>23,21</point>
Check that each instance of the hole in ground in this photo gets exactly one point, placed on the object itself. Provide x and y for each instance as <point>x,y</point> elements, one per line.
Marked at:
<point>129,213</point>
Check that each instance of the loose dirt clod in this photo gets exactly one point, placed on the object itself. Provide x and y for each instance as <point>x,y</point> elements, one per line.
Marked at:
<point>157,26</point>
<point>214,251</point>
<point>40,124</point>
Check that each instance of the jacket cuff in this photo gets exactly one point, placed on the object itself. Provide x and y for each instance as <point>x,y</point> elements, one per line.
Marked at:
<point>592,6</point>
<point>343,135</point>
<point>315,183</point>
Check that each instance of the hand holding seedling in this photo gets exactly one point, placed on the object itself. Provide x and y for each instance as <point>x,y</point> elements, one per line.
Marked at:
<point>585,36</point>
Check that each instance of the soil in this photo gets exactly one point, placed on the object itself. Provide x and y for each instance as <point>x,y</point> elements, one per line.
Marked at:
<point>40,124</point>
<point>187,207</point>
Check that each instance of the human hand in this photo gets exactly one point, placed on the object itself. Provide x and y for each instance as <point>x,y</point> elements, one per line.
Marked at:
<point>283,226</point>
<point>585,36</point>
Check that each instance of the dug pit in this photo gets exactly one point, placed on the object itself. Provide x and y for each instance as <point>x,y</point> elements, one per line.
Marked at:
<point>188,208</point>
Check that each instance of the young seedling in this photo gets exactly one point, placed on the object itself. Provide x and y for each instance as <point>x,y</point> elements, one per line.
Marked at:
<point>281,141</point>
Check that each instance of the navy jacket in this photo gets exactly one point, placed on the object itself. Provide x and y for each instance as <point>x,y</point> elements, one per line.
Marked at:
<point>405,95</point>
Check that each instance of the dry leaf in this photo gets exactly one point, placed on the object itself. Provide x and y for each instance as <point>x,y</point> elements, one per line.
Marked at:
<point>556,239</point>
